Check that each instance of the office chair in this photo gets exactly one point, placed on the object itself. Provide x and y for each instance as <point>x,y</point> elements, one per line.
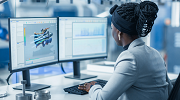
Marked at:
<point>174,93</point>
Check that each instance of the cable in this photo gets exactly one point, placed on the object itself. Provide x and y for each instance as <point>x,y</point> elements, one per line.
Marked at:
<point>7,80</point>
<point>62,68</point>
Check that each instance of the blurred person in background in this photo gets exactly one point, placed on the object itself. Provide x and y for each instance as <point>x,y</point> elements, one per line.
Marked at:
<point>4,34</point>
<point>5,12</point>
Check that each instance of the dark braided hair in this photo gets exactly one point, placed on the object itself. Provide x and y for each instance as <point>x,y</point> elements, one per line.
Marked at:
<point>144,14</point>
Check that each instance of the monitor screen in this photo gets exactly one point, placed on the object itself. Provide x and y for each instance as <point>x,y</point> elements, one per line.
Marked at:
<point>33,42</point>
<point>82,38</point>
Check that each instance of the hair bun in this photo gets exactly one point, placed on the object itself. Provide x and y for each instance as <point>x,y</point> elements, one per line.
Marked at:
<point>150,3</point>
<point>113,9</point>
<point>146,13</point>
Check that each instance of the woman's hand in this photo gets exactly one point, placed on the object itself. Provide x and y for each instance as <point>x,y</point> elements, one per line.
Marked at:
<point>93,83</point>
<point>86,86</point>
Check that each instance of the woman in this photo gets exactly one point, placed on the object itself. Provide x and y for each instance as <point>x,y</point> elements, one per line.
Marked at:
<point>140,72</point>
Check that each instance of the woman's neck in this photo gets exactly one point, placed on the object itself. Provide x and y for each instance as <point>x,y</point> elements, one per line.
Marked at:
<point>127,40</point>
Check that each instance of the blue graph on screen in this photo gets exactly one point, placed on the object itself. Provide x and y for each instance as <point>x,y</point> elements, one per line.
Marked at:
<point>89,46</point>
<point>88,29</point>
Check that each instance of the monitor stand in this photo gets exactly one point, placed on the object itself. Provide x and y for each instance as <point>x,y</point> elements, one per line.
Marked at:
<point>77,74</point>
<point>30,86</point>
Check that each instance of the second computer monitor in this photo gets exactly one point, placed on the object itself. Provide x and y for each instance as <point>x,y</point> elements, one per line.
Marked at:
<point>82,38</point>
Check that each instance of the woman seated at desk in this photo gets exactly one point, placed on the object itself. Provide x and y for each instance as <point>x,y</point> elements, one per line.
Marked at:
<point>140,72</point>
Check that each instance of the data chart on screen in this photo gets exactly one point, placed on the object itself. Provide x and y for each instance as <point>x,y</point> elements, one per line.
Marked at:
<point>81,38</point>
<point>88,30</point>
<point>33,41</point>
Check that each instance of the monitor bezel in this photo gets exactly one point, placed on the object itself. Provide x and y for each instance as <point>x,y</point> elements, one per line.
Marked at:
<point>34,66</point>
<point>87,58</point>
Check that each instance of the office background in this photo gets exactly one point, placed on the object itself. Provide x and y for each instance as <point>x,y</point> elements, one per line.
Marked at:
<point>164,36</point>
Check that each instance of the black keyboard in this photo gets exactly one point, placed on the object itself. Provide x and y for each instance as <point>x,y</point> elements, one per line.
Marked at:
<point>75,90</point>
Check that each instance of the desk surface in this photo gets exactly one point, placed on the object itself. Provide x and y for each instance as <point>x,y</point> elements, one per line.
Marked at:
<point>58,83</point>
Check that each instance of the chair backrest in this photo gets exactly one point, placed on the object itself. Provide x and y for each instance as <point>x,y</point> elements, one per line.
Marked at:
<point>176,88</point>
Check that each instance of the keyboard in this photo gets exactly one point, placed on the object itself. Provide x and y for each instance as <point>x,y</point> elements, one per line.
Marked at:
<point>75,90</point>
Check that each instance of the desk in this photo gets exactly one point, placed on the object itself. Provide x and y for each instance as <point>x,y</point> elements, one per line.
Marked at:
<point>58,83</point>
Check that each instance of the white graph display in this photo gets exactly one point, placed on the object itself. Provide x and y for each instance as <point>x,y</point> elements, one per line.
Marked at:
<point>89,46</point>
<point>88,29</point>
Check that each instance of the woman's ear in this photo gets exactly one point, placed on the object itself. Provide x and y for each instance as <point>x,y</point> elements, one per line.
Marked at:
<point>119,35</point>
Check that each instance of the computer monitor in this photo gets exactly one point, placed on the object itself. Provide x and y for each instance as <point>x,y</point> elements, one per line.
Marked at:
<point>82,38</point>
<point>33,43</point>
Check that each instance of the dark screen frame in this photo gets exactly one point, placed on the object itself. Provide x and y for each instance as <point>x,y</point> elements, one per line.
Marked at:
<point>34,66</point>
<point>86,58</point>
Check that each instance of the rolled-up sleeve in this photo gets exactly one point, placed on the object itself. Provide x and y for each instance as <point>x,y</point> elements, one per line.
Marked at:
<point>124,76</point>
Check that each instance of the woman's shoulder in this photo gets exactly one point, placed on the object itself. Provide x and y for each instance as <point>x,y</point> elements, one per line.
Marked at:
<point>125,55</point>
